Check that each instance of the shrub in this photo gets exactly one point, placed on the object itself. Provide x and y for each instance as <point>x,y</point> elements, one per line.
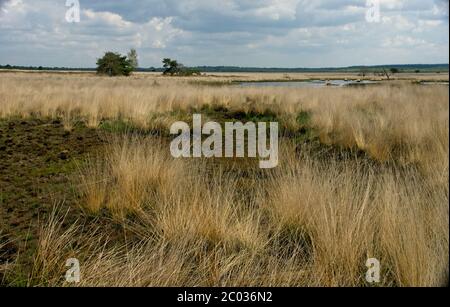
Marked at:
<point>394,70</point>
<point>173,68</point>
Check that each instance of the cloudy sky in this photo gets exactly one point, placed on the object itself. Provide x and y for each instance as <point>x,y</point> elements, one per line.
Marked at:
<point>259,33</point>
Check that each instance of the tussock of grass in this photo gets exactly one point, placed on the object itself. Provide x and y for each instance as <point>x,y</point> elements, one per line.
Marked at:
<point>406,123</point>
<point>310,222</point>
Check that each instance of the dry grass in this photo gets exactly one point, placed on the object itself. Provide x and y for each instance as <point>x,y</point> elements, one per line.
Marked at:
<point>308,223</point>
<point>242,76</point>
<point>402,122</point>
<point>313,221</point>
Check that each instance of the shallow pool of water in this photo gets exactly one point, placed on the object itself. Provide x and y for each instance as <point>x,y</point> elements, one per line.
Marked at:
<point>303,84</point>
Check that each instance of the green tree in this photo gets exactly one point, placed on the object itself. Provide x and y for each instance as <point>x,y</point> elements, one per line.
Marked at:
<point>133,58</point>
<point>114,64</point>
<point>172,67</point>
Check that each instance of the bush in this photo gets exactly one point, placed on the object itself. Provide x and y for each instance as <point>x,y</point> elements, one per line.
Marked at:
<point>394,70</point>
<point>173,68</point>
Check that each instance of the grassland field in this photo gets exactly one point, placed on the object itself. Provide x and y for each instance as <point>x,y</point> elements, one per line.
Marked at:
<point>86,173</point>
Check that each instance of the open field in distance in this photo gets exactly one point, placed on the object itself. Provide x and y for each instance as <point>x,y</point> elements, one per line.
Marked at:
<point>251,77</point>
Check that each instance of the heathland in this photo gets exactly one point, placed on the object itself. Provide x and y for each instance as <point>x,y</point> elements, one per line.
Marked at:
<point>86,172</point>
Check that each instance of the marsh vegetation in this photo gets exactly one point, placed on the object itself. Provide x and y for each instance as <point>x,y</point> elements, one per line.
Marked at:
<point>363,172</point>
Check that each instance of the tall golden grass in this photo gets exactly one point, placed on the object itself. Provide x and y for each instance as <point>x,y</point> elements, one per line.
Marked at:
<point>404,122</point>
<point>313,221</point>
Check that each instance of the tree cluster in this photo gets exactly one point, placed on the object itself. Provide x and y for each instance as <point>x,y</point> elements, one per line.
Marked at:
<point>115,64</point>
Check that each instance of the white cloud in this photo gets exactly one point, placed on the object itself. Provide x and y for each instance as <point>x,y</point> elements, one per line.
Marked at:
<point>278,9</point>
<point>107,18</point>
<point>225,32</point>
<point>393,4</point>
<point>399,22</point>
<point>404,41</point>
<point>12,5</point>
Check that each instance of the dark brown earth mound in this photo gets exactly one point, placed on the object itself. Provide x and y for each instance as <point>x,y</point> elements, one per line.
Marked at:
<point>36,159</point>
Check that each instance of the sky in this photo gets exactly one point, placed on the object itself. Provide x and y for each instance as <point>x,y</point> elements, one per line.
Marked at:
<point>251,33</point>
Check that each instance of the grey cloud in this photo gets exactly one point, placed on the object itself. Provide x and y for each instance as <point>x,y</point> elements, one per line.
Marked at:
<point>212,32</point>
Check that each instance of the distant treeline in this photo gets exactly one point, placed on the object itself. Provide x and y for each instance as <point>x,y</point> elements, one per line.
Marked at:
<point>44,68</point>
<point>229,69</point>
<point>400,68</point>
